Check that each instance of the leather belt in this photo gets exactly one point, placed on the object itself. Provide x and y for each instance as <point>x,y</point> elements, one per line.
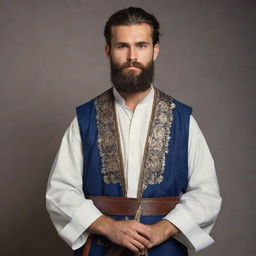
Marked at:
<point>128,206</point>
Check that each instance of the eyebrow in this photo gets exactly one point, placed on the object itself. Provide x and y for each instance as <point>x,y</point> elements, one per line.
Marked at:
<point>120,43</point>
<point>126,44</point>
<point>143,42</point>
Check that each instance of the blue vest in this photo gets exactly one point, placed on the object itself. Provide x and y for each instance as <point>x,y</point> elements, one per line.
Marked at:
<point>165,167</point>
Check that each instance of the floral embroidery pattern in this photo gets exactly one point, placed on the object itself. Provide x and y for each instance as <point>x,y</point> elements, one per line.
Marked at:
<point>156,146</point>
<point>108,139</point>
<point>158,141</point>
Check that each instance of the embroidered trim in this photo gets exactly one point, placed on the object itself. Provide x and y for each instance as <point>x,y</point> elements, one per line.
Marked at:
<point>156,147</point>
<point>108,140</point>
<point>158,141</point>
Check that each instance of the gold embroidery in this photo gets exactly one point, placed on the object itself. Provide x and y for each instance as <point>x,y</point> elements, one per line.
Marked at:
<point>157,144</point>
<point>108,140</point>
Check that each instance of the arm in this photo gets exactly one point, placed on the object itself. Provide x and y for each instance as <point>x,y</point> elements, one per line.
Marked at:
<point>70,212</point>
<point>200,205</point>
<point>73,216</point>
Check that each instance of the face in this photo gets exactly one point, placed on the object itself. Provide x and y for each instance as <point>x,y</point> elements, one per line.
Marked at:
<point>132,56</point>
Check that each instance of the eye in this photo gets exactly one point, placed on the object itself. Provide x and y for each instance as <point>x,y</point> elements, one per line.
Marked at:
<point>121,46</point>
<point>141,46</point>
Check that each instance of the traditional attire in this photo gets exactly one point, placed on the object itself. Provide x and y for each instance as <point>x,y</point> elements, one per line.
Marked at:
<point>151,152</point>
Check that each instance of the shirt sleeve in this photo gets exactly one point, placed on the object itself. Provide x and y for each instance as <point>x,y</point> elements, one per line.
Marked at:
<point>196,214</point>
<point>70,212</point>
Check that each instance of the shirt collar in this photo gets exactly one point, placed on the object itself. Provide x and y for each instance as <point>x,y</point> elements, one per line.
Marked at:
<point>121,100</point>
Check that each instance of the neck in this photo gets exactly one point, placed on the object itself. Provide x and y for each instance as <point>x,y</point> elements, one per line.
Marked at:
<point>132,99</point>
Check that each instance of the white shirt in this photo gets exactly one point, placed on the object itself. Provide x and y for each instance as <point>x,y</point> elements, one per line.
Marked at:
<point>72,214</point>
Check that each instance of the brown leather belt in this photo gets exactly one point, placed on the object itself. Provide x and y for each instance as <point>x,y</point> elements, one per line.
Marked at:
<point>128,206</point>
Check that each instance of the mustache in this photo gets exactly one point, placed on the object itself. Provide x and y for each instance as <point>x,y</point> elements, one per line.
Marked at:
<point>132,64</point>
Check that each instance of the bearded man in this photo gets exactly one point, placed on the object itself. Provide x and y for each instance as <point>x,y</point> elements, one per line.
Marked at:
<point>133,175</point>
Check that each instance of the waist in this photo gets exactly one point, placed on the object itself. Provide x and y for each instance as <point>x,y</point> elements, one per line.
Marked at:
<point>128,206</point>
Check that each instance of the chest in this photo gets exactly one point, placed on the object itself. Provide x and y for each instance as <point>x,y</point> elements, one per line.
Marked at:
<point>154,144</point>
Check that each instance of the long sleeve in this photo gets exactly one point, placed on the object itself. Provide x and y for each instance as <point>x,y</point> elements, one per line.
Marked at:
<point>70,212</point>
<point>200,205</point>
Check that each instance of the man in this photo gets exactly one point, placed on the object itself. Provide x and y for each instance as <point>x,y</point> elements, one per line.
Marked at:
<point>133,141</point>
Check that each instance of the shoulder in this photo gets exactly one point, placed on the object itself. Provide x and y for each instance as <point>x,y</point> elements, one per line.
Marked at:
<point>182,107</point>
<point>87,106</point>
<point>179,106</point>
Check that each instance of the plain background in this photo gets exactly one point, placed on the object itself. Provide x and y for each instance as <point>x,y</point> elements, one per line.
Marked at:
<point>52,60</point>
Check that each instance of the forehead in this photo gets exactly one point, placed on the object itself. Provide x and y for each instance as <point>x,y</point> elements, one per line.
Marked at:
<point>131,33</point>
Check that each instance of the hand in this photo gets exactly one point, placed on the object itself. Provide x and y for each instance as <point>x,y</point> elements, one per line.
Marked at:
<point>161,231</point>
<point>129,233</point>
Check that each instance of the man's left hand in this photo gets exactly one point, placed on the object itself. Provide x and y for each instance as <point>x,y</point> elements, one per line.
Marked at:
<point>161,231</point>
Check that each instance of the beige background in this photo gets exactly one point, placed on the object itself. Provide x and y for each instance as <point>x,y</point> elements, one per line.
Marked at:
<point>52,59</point>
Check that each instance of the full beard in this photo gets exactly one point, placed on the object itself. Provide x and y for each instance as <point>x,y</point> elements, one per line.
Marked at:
<point>131,81</point>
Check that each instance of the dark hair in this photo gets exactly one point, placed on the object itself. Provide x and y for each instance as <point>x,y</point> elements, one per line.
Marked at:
<point>132,16</point>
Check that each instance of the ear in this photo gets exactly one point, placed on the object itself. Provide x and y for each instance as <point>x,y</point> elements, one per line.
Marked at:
<point>107,50</point>
<point>156,51</point>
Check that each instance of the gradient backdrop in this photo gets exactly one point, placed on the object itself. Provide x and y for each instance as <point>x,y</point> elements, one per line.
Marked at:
<point>52,59</point>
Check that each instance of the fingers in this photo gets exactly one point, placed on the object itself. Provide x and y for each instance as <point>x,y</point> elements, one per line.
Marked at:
<point>136,247</point>
<point>131,234</point>
<point>139,246</point>
<point>142,240</point>
<point>132,248</point>
<point>136,242</point>
<point>142,229</point>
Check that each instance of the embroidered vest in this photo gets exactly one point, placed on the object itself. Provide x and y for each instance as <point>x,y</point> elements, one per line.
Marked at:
<point>165,164</point>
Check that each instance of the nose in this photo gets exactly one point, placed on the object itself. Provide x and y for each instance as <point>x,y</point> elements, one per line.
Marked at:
<point>132,54</point>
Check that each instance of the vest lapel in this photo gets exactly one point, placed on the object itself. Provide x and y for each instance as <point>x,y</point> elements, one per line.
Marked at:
<point>109,140</point>
<point>157,144</point>
<point>156,147</point>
